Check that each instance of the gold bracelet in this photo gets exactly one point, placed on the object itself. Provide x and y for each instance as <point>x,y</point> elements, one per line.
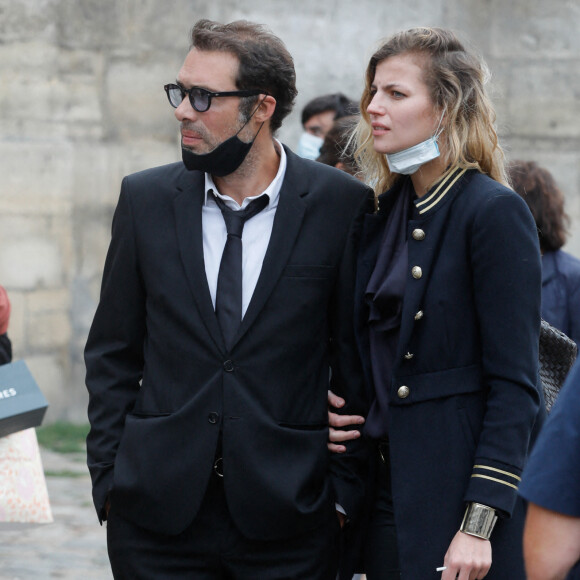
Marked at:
<point>478,521</point>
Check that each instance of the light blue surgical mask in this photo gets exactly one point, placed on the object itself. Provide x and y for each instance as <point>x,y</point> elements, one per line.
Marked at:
<point>409,160</point>
<point>309,146</point>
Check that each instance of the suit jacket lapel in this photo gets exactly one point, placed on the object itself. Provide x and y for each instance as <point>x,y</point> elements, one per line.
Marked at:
<point>188,207</point>
<point>287,223</point>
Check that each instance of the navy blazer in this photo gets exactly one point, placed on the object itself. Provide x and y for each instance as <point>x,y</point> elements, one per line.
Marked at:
<point>561,292</point>
<point>162,383</point>
<point>464,397</point>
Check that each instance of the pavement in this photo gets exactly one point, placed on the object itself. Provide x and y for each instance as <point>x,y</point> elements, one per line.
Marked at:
<point>74,546</point>
<point>71,548</point>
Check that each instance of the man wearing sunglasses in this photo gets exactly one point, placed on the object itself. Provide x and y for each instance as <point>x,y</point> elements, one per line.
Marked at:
<point>209,357</point>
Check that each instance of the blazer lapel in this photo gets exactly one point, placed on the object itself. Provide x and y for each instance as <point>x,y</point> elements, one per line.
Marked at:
<point>188,207</point>
<point>286,227</point>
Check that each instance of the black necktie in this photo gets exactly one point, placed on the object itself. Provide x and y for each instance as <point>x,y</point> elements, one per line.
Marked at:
<point>228,302</point>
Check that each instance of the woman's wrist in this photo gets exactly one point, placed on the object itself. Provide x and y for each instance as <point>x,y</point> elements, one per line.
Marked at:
<point>479,521</point>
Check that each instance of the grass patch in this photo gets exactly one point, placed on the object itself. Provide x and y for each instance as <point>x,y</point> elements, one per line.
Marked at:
<point>63,437</point>
<point>64,473</point>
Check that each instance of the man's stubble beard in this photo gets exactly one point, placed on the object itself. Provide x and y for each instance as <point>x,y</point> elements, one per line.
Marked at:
<point>210,144</point>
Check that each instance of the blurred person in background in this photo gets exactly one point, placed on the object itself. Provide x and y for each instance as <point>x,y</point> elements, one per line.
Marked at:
<point>5,345</point>
<point>338,148</point>
<point>560,270</point>
<point>318,117</point>
<point>551,485</point>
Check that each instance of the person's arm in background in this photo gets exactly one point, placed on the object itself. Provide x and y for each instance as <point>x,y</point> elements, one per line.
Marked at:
<point>574,308</point>
<point>5,345</point>
<point>550,486</point>
<point>551,543</point>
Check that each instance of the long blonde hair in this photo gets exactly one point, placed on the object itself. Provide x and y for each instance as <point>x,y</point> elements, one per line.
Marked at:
<point>456,81</point>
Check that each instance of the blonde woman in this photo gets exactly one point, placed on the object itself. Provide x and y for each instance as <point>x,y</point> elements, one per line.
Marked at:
<point>448,318</point>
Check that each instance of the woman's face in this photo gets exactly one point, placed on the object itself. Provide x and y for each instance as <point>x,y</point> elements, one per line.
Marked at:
<point>401,110</point>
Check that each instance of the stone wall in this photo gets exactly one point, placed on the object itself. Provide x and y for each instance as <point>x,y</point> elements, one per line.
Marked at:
<point>82,105</point>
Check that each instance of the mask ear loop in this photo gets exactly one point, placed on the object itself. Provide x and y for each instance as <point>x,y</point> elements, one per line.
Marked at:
<point>439,129</point>
<point>250,118</point>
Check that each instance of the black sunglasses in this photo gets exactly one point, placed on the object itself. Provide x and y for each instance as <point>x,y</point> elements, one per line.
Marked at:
<point>200,99</point>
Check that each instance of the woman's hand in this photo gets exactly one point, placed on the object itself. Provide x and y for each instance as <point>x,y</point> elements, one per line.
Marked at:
<point>468,558</point>
<point>338,436</point>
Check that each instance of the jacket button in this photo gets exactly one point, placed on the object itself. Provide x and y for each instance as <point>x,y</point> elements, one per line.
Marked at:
<point>213,418</point>
<point>419,315</point>
<point>416,272</point>
<point>403,392</point>
<point>418,234</point>
<point>409,355</point>
<point>228,366</point>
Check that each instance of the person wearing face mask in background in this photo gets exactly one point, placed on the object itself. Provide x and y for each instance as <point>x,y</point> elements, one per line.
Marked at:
<point>447,315</point>
<point>338,148</point>
<point>318,117</point>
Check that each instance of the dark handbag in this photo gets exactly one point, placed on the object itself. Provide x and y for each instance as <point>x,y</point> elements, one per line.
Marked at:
<point>557,355</point>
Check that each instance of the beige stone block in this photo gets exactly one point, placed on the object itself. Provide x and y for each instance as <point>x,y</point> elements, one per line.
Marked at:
<point>93,183</point>
<point>48,330</point>
<point>29,263</point>
<point>50,376</point>
<point>545,118</point>
<point>525,29</point>
<point>38,176</point>
<point>65,85</point>
<point>17,224</point>
<point>573,245</point>
<point>138,109</point>
<point>94,240</point>
<point>126,159</point>
<point>30,19</point>
<point>553,81</point>
<point>47,301</point>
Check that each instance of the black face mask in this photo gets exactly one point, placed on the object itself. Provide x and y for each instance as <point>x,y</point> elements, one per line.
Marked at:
<point>225,158</point>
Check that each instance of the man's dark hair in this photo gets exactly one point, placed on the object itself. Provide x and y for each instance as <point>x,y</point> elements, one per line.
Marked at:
<point>337,102</point>
<point>265,62</point>
<point>538,188</point>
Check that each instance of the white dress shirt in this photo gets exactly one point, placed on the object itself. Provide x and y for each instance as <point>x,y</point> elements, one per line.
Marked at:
<point>255,236</point>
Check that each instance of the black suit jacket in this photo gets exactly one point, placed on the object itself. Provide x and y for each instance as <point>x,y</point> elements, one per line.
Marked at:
<point>162,384</point>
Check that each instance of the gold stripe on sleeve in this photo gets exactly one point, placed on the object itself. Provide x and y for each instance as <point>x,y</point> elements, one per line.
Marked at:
<point>497,471</point>
<point>496,480</point>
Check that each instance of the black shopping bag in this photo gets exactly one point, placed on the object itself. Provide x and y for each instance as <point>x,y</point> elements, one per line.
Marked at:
<point>22,404</point>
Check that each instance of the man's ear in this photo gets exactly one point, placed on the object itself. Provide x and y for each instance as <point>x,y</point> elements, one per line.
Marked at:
<point>265,109</point>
